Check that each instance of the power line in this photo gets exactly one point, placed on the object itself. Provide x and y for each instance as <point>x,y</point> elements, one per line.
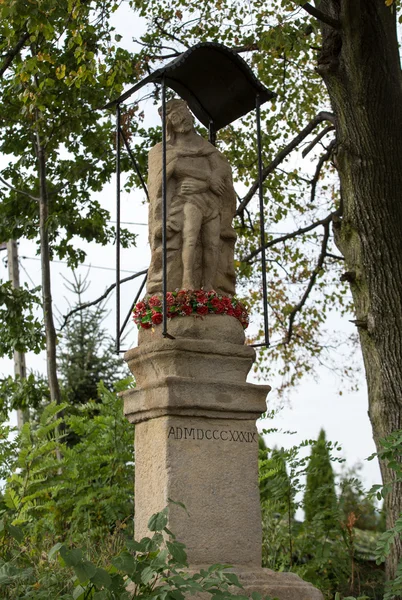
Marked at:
<point>64,262</point>
<point>128,223</point>
<point>26,272</point>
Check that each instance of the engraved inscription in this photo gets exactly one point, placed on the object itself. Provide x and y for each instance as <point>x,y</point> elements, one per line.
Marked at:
<point>226,435</point>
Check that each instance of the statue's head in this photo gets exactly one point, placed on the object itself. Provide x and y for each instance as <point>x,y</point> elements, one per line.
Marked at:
<point>178,118</point>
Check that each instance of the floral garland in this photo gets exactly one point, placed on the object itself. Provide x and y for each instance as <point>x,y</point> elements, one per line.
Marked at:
<point>188,302</point>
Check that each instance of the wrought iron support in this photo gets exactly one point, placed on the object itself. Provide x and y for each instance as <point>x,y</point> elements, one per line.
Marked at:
<point>212,133</point>
<point>262,221</point>
<point>117,228</point>
<point>164,210</point>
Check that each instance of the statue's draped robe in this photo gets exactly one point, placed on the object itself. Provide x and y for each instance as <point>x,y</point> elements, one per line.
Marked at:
<point>205,154</point>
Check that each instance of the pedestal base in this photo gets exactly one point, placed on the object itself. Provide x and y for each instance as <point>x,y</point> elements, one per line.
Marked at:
<point>284,586</point>
<point>196,442</point>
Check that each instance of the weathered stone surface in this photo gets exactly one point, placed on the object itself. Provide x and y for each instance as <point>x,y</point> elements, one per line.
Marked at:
<point>284,586</point>
<point>201,203</point>
<point>210,465</point>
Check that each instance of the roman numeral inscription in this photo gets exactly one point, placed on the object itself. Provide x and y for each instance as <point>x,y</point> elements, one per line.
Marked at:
<point>224,435</point>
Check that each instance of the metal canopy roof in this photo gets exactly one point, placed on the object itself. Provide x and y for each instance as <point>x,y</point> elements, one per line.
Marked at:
<point>217,84</point>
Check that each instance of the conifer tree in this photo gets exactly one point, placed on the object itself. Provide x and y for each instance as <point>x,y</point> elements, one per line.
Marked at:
<point>87,354</point>
<point>320,497</point>
<point>275,487</point>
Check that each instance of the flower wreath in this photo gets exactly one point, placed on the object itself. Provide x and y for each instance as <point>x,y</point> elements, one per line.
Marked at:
<point>188,302</point>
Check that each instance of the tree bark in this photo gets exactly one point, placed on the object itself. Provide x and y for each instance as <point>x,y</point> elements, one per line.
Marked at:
<point>360,66</point>
<point>50,331</point>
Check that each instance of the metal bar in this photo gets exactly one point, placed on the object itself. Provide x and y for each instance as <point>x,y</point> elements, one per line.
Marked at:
<point>133,304</point>
<point>212,133</point>
<point>135,164</point>
<point>164,210</point>
<point>118,229</point>
<point>262,220</point>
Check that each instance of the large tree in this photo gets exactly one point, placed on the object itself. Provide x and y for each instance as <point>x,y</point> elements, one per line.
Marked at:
<point>341,54</point>
<point>59,65</point>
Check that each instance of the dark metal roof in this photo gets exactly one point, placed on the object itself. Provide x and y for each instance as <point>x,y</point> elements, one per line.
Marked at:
<point>217,84</point>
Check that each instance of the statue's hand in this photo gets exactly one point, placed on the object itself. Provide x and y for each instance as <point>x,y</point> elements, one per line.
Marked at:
<point>218,186</point>
<point>192,186</point>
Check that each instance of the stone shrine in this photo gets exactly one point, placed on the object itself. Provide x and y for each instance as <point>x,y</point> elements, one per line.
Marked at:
<point>196,440</point>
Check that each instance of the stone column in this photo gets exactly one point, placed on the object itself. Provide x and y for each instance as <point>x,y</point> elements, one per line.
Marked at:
<point>196,442</point>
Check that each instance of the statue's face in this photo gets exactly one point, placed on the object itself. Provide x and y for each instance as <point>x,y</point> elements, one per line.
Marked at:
<point>179,117</point>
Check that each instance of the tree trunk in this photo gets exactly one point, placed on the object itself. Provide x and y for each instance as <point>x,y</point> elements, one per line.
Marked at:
<point>360,66</point>
<point>46,285</point>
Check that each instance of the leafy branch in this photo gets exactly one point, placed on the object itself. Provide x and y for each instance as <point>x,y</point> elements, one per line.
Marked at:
<point>311,283</point>
<point>322,116</point>
<point>293,234</point>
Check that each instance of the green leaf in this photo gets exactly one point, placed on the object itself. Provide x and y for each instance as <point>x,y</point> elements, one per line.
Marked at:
<point>15,532</point>
<point>101,578</point>
<point>177,550</point>
<point>54,549</point>
<point>158,521</point>
<point>71,557</point>
<point>84,570</point>
<point>124,562</point>
<point>147,575</point>
<point>79,593</point>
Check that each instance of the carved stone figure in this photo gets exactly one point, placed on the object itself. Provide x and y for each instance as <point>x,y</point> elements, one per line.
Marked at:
<point>201,203</point>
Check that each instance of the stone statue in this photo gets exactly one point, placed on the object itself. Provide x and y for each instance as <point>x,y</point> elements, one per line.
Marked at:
<point>201,203</point>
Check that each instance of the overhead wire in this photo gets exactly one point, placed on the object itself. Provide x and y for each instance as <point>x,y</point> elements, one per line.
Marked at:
<point>64,262</point>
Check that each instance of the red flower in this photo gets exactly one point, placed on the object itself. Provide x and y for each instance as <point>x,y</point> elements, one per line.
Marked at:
<point>146,325</point>
<point>217,305</point>
<point>140,307</point>
<point>181,297</point>
<point>170,299</point>
<point>154,301</point>
<point>201,297</point>
<point>238,312</point>
<point>202,310</point>
<point>230,312</point>
<point>227,302</point>
<point>157,318</point>
<point>186,309</point>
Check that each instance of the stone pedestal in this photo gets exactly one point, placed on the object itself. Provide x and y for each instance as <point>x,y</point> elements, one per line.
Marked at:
<point>196,442</point>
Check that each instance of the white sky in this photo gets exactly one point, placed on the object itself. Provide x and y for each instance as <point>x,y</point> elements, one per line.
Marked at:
<point>313,405</point>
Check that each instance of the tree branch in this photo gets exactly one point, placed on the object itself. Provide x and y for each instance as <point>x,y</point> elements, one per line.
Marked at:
<point>105,295</point>
<point>317,139</point>
<point>320,16</point>
<point>293,234</point>
<point>17,190</point>
<point>320,263</point>
<point>320,164</point>
<point>11,54</point>
<point>322,116</point>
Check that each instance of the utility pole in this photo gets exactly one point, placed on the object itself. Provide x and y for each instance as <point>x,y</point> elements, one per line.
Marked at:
<point>19,357</point>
